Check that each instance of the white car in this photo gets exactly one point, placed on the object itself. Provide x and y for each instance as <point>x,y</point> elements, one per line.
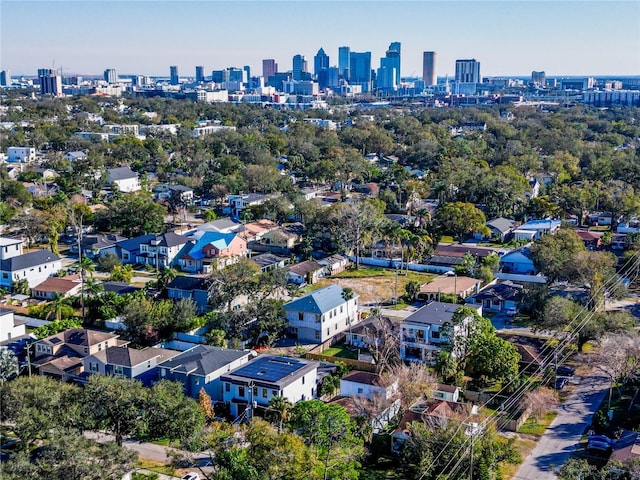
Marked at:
<point>191,476</point>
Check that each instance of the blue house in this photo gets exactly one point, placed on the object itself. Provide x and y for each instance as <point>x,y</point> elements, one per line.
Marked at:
<point>201,367</point>
<point>128,250</point>
<point>518,261</point>
<point>189,287</point>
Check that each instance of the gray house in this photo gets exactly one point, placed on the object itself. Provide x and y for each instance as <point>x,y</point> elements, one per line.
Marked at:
<point>201,367</point>
<point>189,287</point>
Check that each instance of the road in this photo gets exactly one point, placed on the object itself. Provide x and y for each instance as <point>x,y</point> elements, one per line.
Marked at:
<point>563,435</point>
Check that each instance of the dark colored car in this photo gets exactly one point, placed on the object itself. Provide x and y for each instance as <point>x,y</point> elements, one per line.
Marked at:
<point>599,442</point>
<point>565,371</point>
<point>560,383</point>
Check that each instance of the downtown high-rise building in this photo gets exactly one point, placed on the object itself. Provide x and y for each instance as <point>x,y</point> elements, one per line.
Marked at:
<point>300,67</point>
<point>199,74</point>
<point>468,71</point>
<point>429,68</point>
<point>5,78</point>
<point>173,73</point>
<point>392,57</point>
<point>344,62</point>
<point>110,75</point>
<point>50,81</point>
<point>360,70</point>
<point>269,68</point>
<point>320,62</point>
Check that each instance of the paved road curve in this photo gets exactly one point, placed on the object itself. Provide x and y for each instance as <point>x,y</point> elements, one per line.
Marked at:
<point>563,435</point>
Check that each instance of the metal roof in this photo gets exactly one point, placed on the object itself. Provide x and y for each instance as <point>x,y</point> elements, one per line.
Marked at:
<point>318,301</point>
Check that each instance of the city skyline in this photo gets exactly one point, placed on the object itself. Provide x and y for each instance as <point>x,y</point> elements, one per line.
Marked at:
<point>146,37</point>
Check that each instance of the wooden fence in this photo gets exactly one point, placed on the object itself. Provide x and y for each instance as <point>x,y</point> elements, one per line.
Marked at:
<point>349,362</point>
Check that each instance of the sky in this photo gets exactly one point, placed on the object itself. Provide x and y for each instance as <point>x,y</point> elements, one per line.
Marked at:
<point>595,37</point>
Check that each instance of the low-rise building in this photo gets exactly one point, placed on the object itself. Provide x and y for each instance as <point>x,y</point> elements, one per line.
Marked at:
<point>213,251</point>
<point>10,328</point>
<point>321,314</point>
<point>123,179</point>
<point>162,250</point>
<point>449,285</point>
<point>500,297</point>
<point>34,267</point>
<point>518,261</point>
<point>308,271</point>
<point>269,376</point>
<point>195,288</point>
<point>57,286</point>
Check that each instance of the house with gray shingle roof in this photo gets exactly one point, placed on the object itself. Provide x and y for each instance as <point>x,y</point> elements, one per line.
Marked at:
<point>501,227</point>
<point>201,367</point>
<point>34,267</point>
<point>321,314</point>
<point>123,179</point>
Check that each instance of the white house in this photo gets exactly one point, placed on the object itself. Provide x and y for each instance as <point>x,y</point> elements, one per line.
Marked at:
<point>420,336</point>
<point>267,376</point>
<point>185,194</point>
<point>34,267</point>
<point>367,385</point>
<point>21,155</point>
<point>321,314</point>
<point>9,327</point>
<point>518,261</point>
<point>538,227</point>
<point>123,179</point>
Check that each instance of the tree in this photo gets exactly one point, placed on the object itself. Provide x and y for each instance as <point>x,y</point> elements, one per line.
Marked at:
<point>412,288</point>
<point>115,404</point>
<point>382,341</point>
<point>206,405</point>
<point>107,262</point>
<point>86,265</point>
<point>56,326</point>
<point>539,402</point>
<point>415,380</point>
<point>20,287</point>
<point>121,273</point>
<point>618,358</point>
<point>134,214</point>
<point>552,254</point>
<point>8,365</point>
<point>279,411</point>
<point>460,219</point>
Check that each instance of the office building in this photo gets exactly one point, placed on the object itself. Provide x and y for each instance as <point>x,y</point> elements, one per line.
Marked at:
<point>468,71</point>
<point>360,70</point>
<point>538,78</point>
<point>320,62</point>
<point>110,75</point>
<point>344,61</point>
<point>175,79</point>
<point>299,67</point>
<point>392,60</point>
<point>50,82</point>
<point>247,75</point>
<point>269,69</point>
<point>429,68</point>
<point>329,78</point>
<point>199,73</point>
<point>386,78</point>
<point>220,76</point>
<point>5,78</point>
<point>235,74</point>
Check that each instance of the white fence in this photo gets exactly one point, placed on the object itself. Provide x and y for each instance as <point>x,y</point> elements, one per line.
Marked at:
<point>32,322</point>
<point>387,263</point>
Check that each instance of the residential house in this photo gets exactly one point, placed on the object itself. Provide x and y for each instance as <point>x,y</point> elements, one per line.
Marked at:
<point>123,179</point>
<point>335,264</point>
<point>269,261</point>
<point>201,367</point>
<point>128,362</point>
<point>591,240</point>
<point>10,247</point>
<point>34,267</point>
<point>10,328</point>
<point>237,203</point>
<point>254,231</point>
<point>499,297</point>
<point>61,355</point>
<point>128,250</point>
<point>321,314</point>
<point>453,255</point>
<point>534,189</point>
<point>538,227</point>
<point>185,194</point>
<point>269,376</point>
<point>162,250</point>
<point>57,286</point>
<point>448,393</point>
<point>21,154</point>
<point>75,156</point>
<point>449,285</point>
<point>370,330</point>
<point>213,251</point>
<point>420,336</point>
<point>191,287</point>
<point>533,351</point>
<point>94,246</point>
<point>119,288</point>
<point>283,239</point>
<point>501,227</point>
<point>518,261</point>
<point>308,271</point>
<point>222,225</point>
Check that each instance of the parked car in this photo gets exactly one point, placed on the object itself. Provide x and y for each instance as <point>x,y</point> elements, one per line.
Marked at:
<point>512,312</point>
<point>600,442</point>
<point>191,476</point>
<point>560,383</point>
<point>566,371</point>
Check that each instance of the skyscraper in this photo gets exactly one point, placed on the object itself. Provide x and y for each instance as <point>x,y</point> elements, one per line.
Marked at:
<point>5,78</point>
<point>468,71</point>
<point>199,73</point>
<point>299,67</point>
<point>247,74</point>
<point>344,61</point>
<point>429,68</point>
<point>110,75</point>
<point>175,79</point>
<point>538,78</point>
<point>360,70</point>
<point>50,82</point>
<point>269,68</point>
<point>320,62</point>
<point>393,59</point>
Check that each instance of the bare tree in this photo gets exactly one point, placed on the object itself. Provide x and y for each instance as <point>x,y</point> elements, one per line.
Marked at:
<point>540,401</point>
<point>382,340</point>
<point>414,381</point>
<point>618,358</point>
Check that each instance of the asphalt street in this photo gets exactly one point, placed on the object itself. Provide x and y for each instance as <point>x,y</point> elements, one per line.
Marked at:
<point>563,435</point>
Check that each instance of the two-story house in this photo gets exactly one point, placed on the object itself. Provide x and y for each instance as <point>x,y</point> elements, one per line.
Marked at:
<point>321,314</point>
<point>123,179</point>
<point>34,267</point>
<point>162,250</point>
<point>10,328</point>
<point>128,362</point>
<point>213,251</point>
<point>268,376</point>
<point>61,355</point>
<point>128,250</point>
<point>201,367</point>
<point>195,288</point>
<point>420,336</point>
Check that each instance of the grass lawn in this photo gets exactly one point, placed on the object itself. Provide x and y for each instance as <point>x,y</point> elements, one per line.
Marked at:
<point>447,239</point>
<point>156,467</point>
<point>531,427</point>
<point>340,352</point>
<point>363,272</point>
<point>524,447</point>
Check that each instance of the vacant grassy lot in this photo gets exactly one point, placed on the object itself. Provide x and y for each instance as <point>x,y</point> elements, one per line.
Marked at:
<point>340,352</point>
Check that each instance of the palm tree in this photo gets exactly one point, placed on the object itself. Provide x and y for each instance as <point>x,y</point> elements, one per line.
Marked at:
<point>347,294</point>
<point>56,306</point>
<point>86,265</point>
<point>164,278</point>
<point>279,409</point>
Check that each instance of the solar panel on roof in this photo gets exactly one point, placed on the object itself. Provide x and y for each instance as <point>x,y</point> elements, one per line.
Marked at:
<point>269,370</point>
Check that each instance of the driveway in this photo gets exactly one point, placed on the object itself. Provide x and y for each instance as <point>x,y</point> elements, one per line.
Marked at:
<point>560,440</point>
